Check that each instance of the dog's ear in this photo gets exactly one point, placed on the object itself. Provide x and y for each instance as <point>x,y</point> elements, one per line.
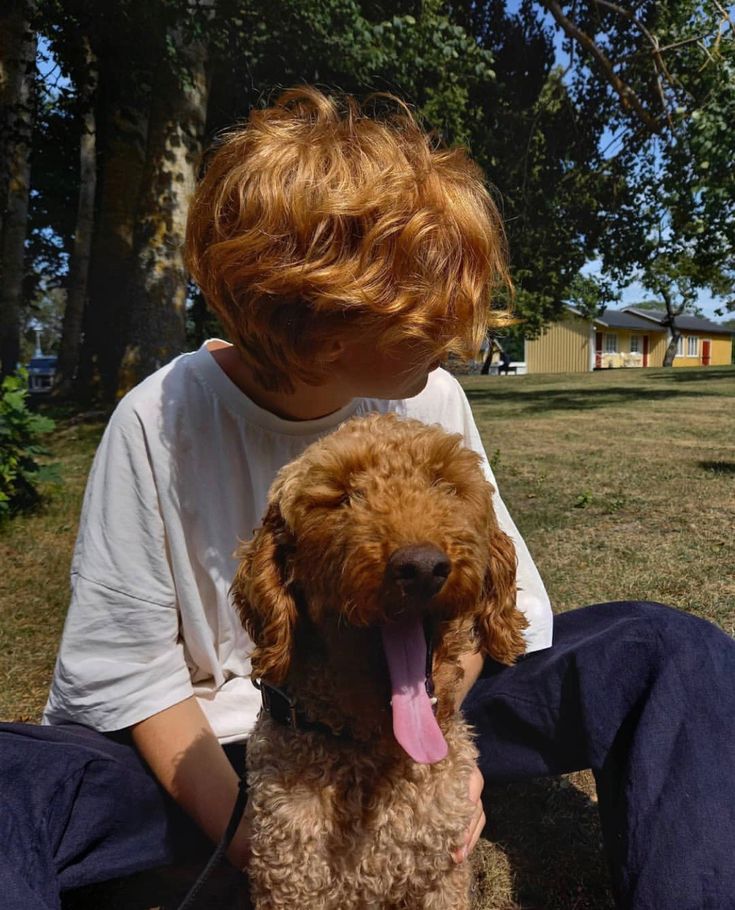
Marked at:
<point>260,593</point>
<point>500,625</point>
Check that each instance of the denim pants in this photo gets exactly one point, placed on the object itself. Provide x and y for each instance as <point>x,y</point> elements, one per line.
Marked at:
<point>641,694</point>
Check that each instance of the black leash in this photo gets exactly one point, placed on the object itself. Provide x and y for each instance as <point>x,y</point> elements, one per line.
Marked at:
<point>239,807</point>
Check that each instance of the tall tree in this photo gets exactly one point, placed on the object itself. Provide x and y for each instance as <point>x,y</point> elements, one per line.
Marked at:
<point>540,146</point>
<point>159,286</point>
<point>587,166</point>
<point>17,90</point>
<point>664,75</point>
<point>122,132</point>
<point>125,42</point>
<point>76,297</point>
<point>674,284</point>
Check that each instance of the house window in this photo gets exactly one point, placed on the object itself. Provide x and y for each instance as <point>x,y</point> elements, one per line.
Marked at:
<point>692,346</point>
<point>635,344</point>
<point>680,346</point>
<point>611,344</point>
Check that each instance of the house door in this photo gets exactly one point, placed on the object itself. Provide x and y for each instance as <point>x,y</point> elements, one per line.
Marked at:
<point>706,351</point>
<point>645,350</point>
<point>598,350</point>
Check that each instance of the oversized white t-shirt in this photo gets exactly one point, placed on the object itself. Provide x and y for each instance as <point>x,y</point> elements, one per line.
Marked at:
<point>181,475</point>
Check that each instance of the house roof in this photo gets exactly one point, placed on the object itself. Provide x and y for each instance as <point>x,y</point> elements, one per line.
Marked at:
<point>619,319</point>
<point>685,321</point>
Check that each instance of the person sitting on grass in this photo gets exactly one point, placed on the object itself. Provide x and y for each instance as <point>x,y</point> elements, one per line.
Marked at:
<point>346,255</point>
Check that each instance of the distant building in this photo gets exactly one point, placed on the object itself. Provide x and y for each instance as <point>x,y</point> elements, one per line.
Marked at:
<point>41,371</point>
<point>631,337</point>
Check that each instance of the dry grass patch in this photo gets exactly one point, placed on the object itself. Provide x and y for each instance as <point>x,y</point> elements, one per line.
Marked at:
<point>621,483</point>
<point>35,555</point>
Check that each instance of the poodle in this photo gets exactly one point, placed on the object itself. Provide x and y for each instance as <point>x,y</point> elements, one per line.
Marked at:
<point>378,564</point>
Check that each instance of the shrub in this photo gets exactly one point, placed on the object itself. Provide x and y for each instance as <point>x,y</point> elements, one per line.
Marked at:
<point>20,429</point>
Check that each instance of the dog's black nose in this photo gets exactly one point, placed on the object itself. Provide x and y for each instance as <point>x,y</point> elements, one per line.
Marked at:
<point>419,570</point>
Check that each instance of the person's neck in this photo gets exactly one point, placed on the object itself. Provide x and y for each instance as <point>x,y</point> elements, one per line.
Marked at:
<point>306,402</point>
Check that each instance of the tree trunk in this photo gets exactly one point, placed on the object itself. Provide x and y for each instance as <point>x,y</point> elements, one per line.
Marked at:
<point>17,81</point>
<point>671,349</point>
<point>158,292</point>
<point>79,268</point>
<point>672,311</point>
<point>122,129</point>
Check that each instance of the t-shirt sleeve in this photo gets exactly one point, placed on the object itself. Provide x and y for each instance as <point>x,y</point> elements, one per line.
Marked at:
<point>121,658</point>
<point>445,403</point>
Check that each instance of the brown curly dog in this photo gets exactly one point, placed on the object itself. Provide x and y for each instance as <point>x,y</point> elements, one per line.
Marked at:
<point>378,538</point>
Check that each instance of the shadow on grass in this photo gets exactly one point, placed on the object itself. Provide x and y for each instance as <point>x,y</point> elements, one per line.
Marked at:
<point>589,391</point>
<point>578,400</point>
<point>706,374</point>
<point>550,832</point>
<point>718,467</point>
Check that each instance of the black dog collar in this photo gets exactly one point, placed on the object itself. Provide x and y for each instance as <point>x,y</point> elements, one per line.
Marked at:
<point>283,709</point>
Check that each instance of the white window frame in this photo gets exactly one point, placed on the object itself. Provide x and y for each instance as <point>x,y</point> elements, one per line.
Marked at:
<point>611,343</point>
<point>635,346</point>
<point>680,346</point>
<point>695,346</point>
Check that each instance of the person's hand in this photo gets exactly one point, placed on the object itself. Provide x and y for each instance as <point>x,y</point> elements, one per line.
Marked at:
<point>477,822</point>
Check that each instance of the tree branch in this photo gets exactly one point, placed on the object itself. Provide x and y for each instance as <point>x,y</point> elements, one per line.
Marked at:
<point>629,100</point>
<point>652,40</point>
<point>685,41</point>
<point>725,14</point>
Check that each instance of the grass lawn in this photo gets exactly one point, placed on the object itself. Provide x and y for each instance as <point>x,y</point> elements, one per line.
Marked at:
<point>622,482</point>
<point>623,485</point>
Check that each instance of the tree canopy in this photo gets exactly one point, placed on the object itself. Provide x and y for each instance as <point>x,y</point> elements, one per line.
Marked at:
<point>604,128</point>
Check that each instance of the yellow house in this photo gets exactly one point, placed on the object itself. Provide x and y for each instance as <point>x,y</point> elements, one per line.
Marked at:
<point>624,338</point>
<point>702,343</point>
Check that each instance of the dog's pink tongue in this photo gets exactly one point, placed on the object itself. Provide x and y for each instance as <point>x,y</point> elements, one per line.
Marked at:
<point>414,724</point>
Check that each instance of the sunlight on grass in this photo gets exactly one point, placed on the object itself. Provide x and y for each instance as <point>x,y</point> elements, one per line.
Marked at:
<point>35,555</point>
<point>622,485</point>
<point>627,496</point>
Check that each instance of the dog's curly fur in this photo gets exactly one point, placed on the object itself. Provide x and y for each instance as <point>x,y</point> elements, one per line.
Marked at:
<point>351,821</point>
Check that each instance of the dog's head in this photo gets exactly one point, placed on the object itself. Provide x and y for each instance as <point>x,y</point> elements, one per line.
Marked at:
<point>385,523</point>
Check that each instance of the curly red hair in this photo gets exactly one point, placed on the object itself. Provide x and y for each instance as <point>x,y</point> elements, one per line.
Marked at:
<point>315,220</point>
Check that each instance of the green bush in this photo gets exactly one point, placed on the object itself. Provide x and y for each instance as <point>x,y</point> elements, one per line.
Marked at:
<point>20,429</point>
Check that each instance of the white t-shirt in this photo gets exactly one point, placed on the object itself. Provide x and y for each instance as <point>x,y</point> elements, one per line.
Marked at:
<point>182,473</point>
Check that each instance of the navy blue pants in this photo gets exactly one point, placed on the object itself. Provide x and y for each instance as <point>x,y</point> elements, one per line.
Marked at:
<point>641,694</point>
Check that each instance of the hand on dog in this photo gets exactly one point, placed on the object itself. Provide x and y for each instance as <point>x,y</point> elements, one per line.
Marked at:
<point>477,823</point>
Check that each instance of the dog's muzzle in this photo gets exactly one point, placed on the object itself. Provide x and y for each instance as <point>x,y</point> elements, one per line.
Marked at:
<point>418,571</point>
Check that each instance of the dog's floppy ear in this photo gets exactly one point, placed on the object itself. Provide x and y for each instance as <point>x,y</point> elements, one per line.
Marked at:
<point>260,593</point>
<point>500,625</point>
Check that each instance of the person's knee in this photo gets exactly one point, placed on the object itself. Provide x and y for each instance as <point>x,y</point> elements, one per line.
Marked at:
<point>697,646</point>
<point>661,619</point>
<point>656,632</point>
